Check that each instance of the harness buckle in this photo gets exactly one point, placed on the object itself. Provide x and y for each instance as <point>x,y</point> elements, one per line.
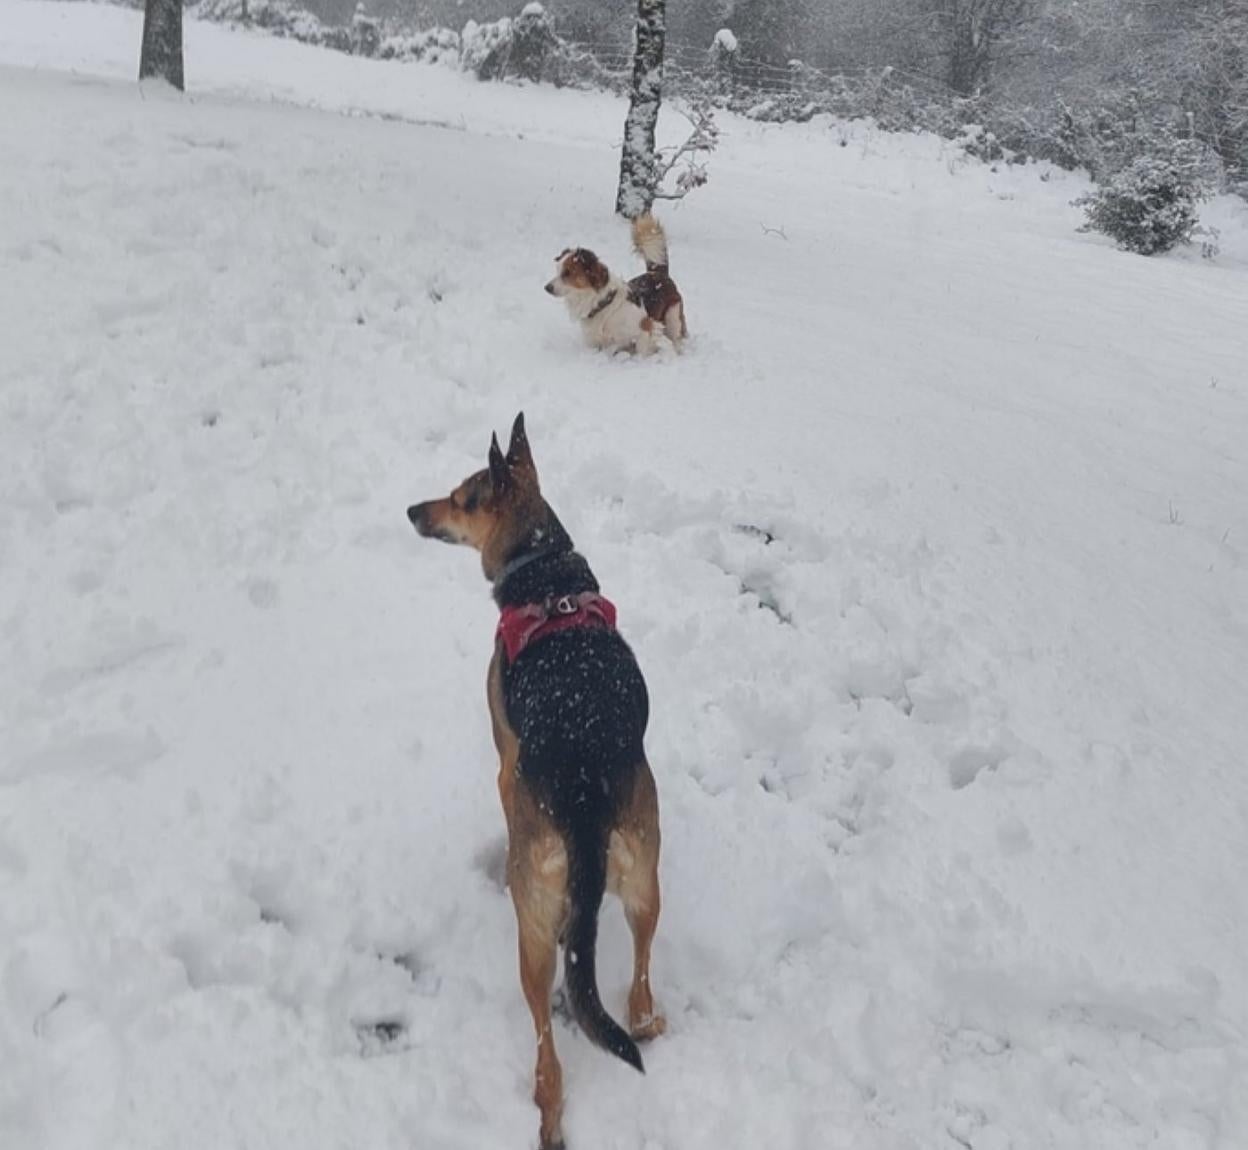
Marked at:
<point>565,605</point>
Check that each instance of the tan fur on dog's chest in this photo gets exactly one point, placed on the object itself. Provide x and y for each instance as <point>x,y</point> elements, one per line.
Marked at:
<point>505,739</point>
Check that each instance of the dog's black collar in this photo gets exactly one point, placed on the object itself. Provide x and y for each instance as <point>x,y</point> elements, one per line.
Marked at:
<point>524,560</point>
<point>603,303</point>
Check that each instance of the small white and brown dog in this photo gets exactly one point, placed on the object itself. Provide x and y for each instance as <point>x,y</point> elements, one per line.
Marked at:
<point>640,315</point>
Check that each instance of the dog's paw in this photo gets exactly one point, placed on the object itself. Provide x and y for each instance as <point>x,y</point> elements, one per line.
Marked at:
<point>645,1029</point>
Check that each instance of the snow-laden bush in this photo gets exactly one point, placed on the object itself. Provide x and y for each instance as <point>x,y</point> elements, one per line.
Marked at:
<point>280,17</point>
<point>481,42</point>
<point>527,47</point>
<point>432,46</point>
<point>277,17</point>
<point>524,46</point>
<point>977,141</point>
<point>1149,206</point>
<point>1106,137</point>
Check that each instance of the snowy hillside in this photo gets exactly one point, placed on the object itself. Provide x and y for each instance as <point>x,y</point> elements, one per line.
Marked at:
<point>933,547</point>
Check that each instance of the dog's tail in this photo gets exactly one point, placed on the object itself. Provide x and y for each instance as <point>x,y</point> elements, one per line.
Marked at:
<point>587,883</point>
<point>650,242</point>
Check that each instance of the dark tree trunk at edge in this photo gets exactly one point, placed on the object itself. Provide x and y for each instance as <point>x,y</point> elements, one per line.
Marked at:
<point>637,160</point>
<point>162,42</point>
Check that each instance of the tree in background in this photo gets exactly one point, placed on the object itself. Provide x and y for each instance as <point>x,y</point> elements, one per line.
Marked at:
<point>971,34</point>
<point>638,166</point>
<point>1212,67</point>
<point>161,54</point>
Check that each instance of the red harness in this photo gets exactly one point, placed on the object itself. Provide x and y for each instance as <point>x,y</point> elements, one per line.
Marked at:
<point>520,626</point>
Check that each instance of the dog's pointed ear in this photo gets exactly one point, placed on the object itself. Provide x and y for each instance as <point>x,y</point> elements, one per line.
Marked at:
<point>500,477</point>
<point>519,454</point>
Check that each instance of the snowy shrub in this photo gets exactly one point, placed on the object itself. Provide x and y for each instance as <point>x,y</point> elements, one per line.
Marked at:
<point>878,94</point>
<point>226,11</point>
<point>787,109</point>
<point>977,141</point>
<point>277,17</point>
<point>221,10</point>
<point>994,144</point>
<point>363,37</point>
<point>1021,136</point>
<point>523,46</point>
<point>432,46</point>
<point>765,110</point>
<point>1108,137</point>
<point>1061,140</point>
<point>527,47</point>
<point>482,42</point>
<point>896,105</point>
<point>339,39</point>
<point>1150,206</point>
<point>1208,237</point>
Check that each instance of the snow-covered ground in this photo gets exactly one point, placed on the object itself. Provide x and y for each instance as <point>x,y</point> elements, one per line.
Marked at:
<point>934,549</point>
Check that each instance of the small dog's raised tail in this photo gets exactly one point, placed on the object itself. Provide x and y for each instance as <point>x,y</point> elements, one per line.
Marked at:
<point>587,882</point>
<point>650,242</point>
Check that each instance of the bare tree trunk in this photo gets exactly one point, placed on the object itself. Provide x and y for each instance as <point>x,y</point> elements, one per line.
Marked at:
<point>638,174</point>
<point>973,31</point>
<point>969,28</point>
<point>162,42</point>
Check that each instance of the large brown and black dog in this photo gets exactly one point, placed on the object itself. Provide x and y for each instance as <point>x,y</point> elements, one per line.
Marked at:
<point>569,708</point>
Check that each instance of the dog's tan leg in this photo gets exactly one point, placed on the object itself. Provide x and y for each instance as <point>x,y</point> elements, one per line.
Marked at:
<point>538,950</point>
<point>634,859</point>
<point>641,907</point>
<point>538,876</point>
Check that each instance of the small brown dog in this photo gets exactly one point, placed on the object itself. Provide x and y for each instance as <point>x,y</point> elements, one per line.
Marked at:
<point>640,315</point>
<point>569,709</point>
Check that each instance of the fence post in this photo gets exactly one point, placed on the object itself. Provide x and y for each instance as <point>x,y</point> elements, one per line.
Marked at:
<point>724,54</point>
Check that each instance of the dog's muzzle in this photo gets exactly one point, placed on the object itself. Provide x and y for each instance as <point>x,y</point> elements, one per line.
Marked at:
<point>419,516</point>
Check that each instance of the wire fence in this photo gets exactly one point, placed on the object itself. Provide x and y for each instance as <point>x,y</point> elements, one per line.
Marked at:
<point>529,46</point>
<point>686,66</point>
<point>722,76</point>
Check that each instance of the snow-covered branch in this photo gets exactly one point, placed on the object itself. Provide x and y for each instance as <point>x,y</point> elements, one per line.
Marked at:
<point>688,159</point>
